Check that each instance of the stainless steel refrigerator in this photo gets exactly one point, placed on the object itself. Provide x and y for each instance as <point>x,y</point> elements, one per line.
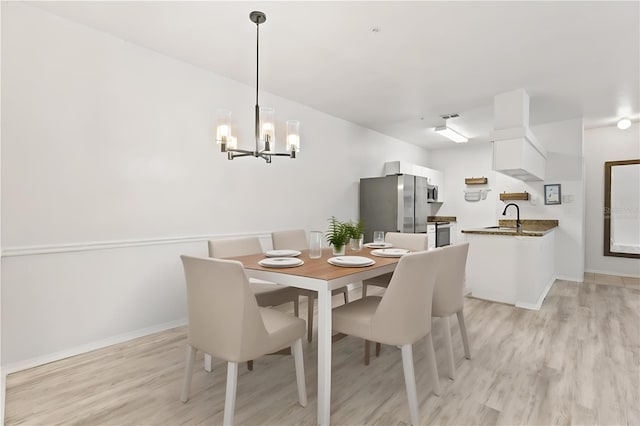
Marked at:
<point>396,203</point>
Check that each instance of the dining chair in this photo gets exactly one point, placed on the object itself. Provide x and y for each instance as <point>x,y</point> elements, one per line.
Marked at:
<point>266,293</point>
<point>233,328</point>
<point>448,297</point>
<point>297,240</point>
<point>401,317</point>
<point>407,241</point>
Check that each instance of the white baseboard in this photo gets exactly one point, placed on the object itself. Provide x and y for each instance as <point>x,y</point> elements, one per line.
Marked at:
<point>56,356</point>
<point>615,273</point>
<point>536,306</point>
<point>573,279</point>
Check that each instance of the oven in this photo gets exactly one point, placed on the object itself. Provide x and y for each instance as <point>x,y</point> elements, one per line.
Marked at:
<point>443,234</point>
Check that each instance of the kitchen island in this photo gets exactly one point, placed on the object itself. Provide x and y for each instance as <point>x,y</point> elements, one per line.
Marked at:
<point>512,266</point>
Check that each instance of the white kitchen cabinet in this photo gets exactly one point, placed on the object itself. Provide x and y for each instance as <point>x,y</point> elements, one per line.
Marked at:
<point>518,270</point>
<point>435,177</point>
<point>519,158</point>
<point>516,150</point>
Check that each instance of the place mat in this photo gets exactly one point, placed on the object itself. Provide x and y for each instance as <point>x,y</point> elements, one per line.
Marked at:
<point>351,261</point>
<point>281,262</point>
<point>378,245</point>
<point>394,252</point>
<point>282,253</point>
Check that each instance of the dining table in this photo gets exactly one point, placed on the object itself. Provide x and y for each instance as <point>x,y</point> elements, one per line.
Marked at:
<point>320,276</point>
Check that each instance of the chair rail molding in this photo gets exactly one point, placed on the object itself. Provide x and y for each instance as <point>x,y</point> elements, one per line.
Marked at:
<point>117,244</point>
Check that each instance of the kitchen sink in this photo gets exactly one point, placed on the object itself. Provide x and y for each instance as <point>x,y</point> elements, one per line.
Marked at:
<point>501,228</point>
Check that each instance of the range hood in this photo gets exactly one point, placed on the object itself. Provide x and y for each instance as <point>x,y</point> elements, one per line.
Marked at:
<point>516,150</point>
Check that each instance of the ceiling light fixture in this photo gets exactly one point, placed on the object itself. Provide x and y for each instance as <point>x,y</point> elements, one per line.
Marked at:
<point>448,132</point>
<point>624,124</point>
<point>264,122</point>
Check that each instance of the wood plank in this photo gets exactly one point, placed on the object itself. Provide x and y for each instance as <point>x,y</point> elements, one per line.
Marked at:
<point>574,362</point>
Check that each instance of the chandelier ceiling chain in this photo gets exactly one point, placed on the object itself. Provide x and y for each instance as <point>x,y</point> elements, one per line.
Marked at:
<point>264,121</point>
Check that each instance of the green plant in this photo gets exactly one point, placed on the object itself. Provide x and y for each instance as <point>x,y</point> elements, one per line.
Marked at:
<point>338,233</point>
<point>355,229</point>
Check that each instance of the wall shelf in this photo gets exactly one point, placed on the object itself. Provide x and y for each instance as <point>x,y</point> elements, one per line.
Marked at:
<point>513,196</point>
<point>475,181</point>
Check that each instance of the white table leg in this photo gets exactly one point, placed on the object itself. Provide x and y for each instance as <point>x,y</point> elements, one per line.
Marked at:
<point>324,357</point>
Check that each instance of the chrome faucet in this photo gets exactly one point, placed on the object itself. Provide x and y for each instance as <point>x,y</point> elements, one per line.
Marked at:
<point>518,223</point>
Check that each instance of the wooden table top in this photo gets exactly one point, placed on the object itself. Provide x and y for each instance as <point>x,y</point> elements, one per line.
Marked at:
<point>318,268</point>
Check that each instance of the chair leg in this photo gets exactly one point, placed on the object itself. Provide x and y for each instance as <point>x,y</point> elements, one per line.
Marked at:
<point>378,347</point>
<point>432,366</point>
<point>296,307</point>
<point>449,348</point>
<point>410,381</point>
<point>296,349</point>
<point>188,372</point>
<point>465,336</point>
<point>250,365</point>
<point>366,352</point>
<point>310,301</point>
<point>364,290</point>
<point>207,363</point>
<point>230,396</point>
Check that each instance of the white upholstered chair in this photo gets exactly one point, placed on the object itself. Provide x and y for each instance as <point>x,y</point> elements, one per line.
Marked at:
<point>448,298</point>
<point>233,327</point>
<point>407,241</point>
<point>266,293</point>
<point>297,240</point>
<point>401,317</point>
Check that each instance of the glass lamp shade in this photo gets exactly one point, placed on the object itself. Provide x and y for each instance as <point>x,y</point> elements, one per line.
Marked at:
<point>223,126</point>
<point>267,128</point>
<point>293,136</point>
<point>232,142</point>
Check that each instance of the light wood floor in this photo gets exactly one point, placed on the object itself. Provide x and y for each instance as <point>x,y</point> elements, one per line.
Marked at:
<point>576,361</point>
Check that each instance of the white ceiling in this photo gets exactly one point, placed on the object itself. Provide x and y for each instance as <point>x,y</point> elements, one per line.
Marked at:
<point>575,59</point>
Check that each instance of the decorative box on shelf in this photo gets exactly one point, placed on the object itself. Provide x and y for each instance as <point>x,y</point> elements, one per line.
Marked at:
<point>514,196</point>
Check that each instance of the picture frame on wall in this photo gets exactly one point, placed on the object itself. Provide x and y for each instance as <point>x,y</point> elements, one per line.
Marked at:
<point>552,194</point>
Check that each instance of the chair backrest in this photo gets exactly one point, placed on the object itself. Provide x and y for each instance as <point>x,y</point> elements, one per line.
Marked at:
<point>404,314</point>
<point>412,242</point>
<point>295,240</point>
<point>234,247</point>
<point>224,319</point>
<point>448,294</point>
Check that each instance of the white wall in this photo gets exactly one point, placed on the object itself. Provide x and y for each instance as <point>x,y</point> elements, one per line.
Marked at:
<point>601,145</point>
<point>107,157</point>
<point>563,141</point>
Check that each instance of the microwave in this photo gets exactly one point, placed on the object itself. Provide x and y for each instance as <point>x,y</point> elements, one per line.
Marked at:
<point>432,193</point>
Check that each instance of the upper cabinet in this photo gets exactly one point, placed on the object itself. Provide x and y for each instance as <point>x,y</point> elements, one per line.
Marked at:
<point>516,150</point>
<point>434,177</point>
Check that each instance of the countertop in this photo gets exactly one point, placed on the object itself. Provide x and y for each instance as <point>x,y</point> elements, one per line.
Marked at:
<point>441,219</point>
<point>530,228</point>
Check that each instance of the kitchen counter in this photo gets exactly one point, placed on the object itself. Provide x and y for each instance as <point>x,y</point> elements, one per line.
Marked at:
<point>530,228</point>
<point>441,219</point>
<point>518,271</point>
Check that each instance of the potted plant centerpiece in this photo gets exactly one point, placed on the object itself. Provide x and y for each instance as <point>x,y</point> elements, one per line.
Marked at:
<point>356,235</point>
<point>337,236</point>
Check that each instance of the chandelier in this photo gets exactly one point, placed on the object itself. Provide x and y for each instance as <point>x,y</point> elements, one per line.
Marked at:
<point>264,122</point>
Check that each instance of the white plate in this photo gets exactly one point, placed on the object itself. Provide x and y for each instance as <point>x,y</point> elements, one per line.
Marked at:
<point>394,252</point>
<point>351,261</point>
<point>281,262</point>
<point>378,245</point>
<point>282,253</point>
